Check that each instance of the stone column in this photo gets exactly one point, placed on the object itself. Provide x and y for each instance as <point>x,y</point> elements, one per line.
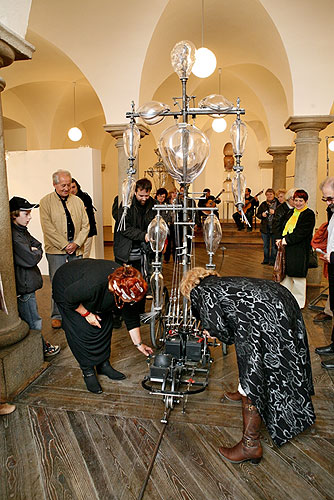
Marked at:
<point>116,131</point>
<point>279,154</point>
<point>21,353</point>
<point>307,140</point>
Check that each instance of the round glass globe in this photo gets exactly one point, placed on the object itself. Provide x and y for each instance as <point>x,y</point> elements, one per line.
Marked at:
<point>205,63</point>
<point>219,125</point>
<point>74,134</point>
<point>331,146</point>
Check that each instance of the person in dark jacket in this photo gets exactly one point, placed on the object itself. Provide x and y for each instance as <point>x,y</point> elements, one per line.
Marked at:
<point>86,292</point>
<point>266,213</point>
<point>90,209</point>
<point>281,214</point>
<point>131,244</point>
<point>263,321</point>
<point>296,237</point>
<point>27,252</point>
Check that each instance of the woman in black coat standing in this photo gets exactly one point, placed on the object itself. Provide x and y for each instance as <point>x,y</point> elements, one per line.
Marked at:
<point>296,237</point>
<point>263,321</point>
<point>86,292</point>
<point>90,209</point>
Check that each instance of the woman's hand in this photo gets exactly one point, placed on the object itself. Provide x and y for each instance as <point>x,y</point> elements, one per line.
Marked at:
<point>93,319</point>
<point>278,242</point>
<point>325,257</point>
<point>284,241</point>
<point>207,334</point>
<point>145,349</point>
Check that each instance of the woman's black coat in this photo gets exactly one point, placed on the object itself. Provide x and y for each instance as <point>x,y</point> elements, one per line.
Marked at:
<point>298,246</point>
<point>263,320</point>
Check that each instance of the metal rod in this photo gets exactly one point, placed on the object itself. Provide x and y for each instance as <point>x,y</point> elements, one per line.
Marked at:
<point>155,452</point>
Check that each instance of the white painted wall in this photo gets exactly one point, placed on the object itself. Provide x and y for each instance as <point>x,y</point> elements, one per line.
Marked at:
<point>30,176</point>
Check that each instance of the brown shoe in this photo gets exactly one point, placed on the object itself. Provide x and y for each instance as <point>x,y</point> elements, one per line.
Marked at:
<point>6,409</point>
<point>249,448</point>
<point>232,397</point>
<point>56,323</point>
<point>321,317</point>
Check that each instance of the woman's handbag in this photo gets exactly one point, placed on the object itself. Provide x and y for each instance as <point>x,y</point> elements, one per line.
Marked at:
<point>313,261</point>
<point>279,267</point>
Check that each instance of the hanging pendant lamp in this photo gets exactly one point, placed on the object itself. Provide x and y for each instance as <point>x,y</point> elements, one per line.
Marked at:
<point>74,133</point>
<point>205,60</point>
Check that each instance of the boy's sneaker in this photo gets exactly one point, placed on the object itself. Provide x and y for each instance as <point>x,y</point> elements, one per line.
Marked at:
<point>50,350</point>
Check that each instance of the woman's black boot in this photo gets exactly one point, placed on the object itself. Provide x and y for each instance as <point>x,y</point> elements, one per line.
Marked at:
<point>105,368</point>
<point>91,381</point>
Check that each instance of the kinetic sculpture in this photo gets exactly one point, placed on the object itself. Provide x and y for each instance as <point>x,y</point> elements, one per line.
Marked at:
<point>182,363</point>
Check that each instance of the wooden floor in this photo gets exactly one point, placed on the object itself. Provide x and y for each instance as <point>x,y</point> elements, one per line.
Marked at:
<point>63,442</point>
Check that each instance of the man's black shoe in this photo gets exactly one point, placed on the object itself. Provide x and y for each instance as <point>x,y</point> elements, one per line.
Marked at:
<point>327,349</point>
<point>329,365</point>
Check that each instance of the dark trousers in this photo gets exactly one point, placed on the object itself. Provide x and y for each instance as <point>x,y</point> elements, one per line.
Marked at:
<point>331,291</point>
<point>269,247</point>
<point>237,219</point>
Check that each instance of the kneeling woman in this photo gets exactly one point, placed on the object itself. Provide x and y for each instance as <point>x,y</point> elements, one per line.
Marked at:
<point>86,292</point>
<point>263,320</point>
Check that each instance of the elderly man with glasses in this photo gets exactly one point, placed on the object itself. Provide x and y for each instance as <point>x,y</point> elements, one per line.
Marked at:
<point>327,188</point>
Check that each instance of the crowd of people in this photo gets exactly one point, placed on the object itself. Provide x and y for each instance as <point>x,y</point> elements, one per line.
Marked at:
<point>261,318</point>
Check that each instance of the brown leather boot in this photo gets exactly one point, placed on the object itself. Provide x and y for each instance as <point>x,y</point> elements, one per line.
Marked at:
<point>249,448</point>
<point>232,397</point>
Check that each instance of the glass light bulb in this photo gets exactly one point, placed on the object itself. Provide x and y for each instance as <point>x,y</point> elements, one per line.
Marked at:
<point>205,63</point>
<point>219,125</point>
<point>185,150</point>
<point>157,287</point>
<point>74,134</point>
<point>157,233</point>
<point>131,139</point>
<point>151,111</point>
<point>239,137</point>
<point>183,58</point>
<point>238,189</point>
<point>331,146</point>
<point>212,233</point>
<point>128,189</point>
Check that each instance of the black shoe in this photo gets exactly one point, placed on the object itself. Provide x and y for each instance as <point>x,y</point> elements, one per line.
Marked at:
<point>105,368</point>
<point>265,262</point>
<point>327,349</point>
<point>329,365</point>
<point>91,381</point>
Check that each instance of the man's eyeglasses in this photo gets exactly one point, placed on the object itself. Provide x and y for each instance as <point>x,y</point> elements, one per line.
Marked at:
<point>330,199</point>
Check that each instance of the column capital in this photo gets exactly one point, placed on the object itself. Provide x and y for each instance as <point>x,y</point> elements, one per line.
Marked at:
<point>13,47</point>
<point>116,130</point>
<point>280,151</point>
<point>312,123</point>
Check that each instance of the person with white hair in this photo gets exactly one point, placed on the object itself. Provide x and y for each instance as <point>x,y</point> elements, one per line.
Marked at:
<point>65,228</point>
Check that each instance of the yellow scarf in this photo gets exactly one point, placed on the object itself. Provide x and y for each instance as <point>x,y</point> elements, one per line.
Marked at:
<point>291,223</point>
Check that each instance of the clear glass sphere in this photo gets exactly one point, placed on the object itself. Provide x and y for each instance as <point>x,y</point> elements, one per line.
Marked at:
<point>205,63</point>
<point>157,233</point>
<point>74,134</point>
<point>331,146</point>
<point>151,111</point>
<point>219,125</point>
<point>185,150</point>
<point>212,233</point>
<point>131,139</point>
<point>239,137</point>
<point>183,58</point>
